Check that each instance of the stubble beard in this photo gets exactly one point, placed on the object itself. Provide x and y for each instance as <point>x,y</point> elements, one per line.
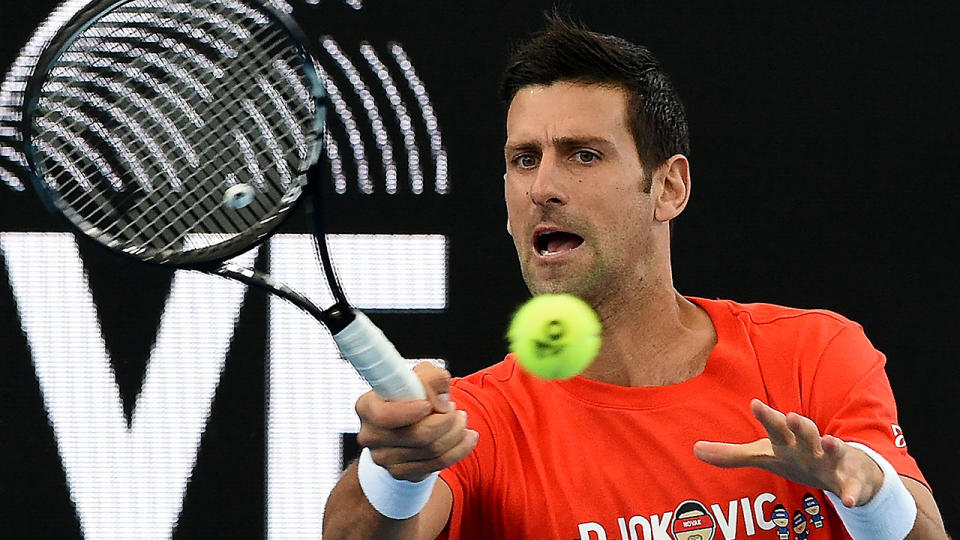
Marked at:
<point>584,281</point>
<point>607,283</point>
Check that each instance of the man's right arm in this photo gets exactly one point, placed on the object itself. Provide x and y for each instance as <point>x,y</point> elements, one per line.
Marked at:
<point>409,440</point>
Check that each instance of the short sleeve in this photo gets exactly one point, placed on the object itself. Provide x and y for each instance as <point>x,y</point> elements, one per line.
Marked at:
<point>851,398</point>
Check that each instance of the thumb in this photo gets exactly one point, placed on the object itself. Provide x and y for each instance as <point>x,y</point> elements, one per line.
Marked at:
<point>436,382</point>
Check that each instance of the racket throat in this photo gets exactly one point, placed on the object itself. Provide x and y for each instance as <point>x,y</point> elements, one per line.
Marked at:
<point>337,317</point>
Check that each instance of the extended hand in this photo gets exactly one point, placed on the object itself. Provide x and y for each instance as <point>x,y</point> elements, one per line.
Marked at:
<point>795,450</point>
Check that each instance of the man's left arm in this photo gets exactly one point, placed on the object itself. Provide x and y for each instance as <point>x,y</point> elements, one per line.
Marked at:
<point>795,450</point>
<point>929,523</point>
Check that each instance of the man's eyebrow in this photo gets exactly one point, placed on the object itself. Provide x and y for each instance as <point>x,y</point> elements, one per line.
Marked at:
<point>580,140</point>
<point>568,141</point>
<point>510,148</point>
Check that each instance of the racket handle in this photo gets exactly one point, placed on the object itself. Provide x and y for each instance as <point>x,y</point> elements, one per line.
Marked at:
<point>376,360</point>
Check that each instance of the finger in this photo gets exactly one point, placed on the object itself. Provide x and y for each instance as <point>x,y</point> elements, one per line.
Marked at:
<point>372,409</point>
<point>726,455</point>
<point>847,494</point>
<point>416,435</point>
<point>853,492</point>
<point>432,450</point>
<point>436,382</point>
<point>415,471</point>
<point>774,423</point>
<point>806,433</point>
<point>858,476</point>
<point>831,445</point>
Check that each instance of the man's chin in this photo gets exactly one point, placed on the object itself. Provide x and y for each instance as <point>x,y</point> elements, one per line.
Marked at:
<point>556,286</point>
<point>576,280</point>
<point>551,288</point>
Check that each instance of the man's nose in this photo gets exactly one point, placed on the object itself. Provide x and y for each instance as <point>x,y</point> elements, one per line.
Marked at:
<point>548,187</point>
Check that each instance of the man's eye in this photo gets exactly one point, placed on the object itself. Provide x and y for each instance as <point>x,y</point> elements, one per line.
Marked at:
<point>585,156</point>
<point>526,161</point>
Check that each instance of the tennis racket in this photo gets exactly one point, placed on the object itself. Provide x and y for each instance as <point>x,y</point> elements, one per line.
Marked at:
<point>183,133</point>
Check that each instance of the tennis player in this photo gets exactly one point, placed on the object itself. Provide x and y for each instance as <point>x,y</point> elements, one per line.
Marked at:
<point>699,419</point>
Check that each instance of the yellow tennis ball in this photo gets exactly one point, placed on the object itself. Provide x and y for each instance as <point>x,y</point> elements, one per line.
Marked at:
<point>555,336</point>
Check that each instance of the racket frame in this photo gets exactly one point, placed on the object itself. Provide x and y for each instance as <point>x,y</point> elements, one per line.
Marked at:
<point>88,17</point>
<point>359,340</point>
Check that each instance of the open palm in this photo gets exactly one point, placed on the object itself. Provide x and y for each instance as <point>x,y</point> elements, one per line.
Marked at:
<point>795,450</point>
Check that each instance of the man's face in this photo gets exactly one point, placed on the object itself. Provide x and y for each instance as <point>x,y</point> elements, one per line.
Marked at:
<point>799,523</point>
<point>781,519</point>
<point>576,209</point>
<point>695,525</point>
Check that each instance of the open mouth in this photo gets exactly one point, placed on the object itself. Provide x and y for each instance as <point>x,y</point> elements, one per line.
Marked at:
<point>550,243</point>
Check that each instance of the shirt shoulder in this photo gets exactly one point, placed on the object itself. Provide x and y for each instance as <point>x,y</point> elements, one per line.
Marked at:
<point>759,315</point>
<point>792,340</point>
<point>808,359</point>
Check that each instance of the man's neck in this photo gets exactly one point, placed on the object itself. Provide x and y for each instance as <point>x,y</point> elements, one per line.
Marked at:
<point>656,340</point>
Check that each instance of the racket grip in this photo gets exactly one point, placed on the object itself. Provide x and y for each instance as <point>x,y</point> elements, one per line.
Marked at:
<point>376,360</point>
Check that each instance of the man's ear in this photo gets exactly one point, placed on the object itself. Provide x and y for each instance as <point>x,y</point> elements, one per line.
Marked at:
<point>508,212</point>
<point>675,193</point>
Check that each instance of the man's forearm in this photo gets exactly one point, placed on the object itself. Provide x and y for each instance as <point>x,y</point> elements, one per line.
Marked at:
<point>929,524</point>
<point>349,516</point>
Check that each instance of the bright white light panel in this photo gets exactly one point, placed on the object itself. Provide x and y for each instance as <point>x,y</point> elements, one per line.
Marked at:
<point>130,482</point>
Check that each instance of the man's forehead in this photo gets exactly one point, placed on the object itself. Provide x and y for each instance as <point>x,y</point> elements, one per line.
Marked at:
<point>566,111</point>
<point>573,86</point>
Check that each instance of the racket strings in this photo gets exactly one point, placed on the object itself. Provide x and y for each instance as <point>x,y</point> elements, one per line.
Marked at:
<point>122,117</point>
<point>148,113</point>
<point>73,170</point>
<point>161,110</point>
<point>178,104</point>
<point>209,204</point>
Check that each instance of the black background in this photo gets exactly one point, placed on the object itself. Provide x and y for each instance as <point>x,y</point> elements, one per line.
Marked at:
<point>824,175</point>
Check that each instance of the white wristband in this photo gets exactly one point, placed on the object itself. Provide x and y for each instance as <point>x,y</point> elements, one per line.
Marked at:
<point>396,499</point>
<point>889,515</point>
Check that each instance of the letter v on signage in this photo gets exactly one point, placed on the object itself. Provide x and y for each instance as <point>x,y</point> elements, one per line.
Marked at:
<point>125,483</point>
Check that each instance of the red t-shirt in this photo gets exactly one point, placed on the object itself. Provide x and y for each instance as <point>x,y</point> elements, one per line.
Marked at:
<point>580,459</point>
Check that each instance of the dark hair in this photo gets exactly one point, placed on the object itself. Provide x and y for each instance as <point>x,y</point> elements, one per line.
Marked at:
<point>568,52</point>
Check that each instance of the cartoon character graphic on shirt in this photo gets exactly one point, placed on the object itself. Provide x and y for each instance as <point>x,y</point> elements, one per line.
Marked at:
<point>781,518</point>
<point>812,506</point>
<point>800,526</point>
<point>691,521</point>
